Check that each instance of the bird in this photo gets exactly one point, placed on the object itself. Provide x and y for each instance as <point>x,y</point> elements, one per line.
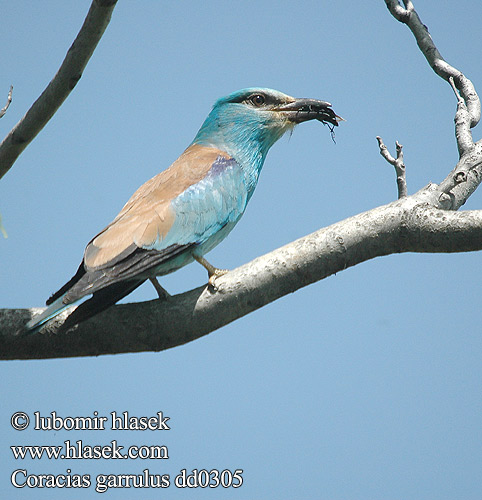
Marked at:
<point>183,212</point>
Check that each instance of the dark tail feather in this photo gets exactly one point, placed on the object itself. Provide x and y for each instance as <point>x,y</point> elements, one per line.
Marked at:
<point>80,272</point>
<point>100,300</point>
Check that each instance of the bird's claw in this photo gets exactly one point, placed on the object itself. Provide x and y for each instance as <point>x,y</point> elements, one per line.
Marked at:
<point>214,275</point>
<point>213,272</point>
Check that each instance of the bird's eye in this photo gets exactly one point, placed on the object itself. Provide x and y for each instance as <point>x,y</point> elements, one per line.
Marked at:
<point>257,99</point>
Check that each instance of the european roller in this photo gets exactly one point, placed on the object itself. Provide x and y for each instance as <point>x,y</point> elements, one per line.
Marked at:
<point>185,211</point>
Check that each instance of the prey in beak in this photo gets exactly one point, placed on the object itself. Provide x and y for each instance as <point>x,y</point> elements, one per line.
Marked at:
<point>303,110</point>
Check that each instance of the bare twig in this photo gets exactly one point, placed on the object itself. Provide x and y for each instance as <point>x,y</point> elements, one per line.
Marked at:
<point>61,85</point>
<point>397,162</point>
<point>456,92</point>
<point>9,100</point>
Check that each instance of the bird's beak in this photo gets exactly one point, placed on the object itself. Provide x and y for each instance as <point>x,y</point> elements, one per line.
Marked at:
<point>303,110</point>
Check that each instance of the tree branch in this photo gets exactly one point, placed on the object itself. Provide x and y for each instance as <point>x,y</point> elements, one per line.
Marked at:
<point>409,16</point>
<point>407,225</point>
<point>61,85</point>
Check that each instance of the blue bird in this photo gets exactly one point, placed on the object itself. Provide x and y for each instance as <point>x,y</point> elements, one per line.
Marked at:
<point>185,211</point>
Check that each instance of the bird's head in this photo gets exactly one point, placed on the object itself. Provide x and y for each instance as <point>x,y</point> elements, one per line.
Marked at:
<point>248,122</point>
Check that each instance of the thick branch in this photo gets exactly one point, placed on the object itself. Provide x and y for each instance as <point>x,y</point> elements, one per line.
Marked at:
<point>61,85</point>
<point>407,225</point>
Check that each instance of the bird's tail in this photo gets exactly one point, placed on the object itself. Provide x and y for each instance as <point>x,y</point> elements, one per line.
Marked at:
<point>50,312</point>
<point>100,300</point>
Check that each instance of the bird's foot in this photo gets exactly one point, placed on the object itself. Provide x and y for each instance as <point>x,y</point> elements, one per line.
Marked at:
<point>216,274</point>
<point>213,272</point>
<point>162,292</point>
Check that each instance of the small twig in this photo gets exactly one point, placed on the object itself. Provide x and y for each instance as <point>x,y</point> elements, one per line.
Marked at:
<point>9,100</point>
<point>456,92</point>
<point>397,162</point>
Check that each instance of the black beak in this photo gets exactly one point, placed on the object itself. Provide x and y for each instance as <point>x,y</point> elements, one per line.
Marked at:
<point>303,110</point>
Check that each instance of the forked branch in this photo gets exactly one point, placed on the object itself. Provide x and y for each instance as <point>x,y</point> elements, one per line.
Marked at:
<point>397,162</point>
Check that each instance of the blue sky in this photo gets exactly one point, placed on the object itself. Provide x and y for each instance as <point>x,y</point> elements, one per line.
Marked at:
<point>366,385</point>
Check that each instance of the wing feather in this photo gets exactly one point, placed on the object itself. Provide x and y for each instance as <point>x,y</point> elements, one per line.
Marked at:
<point>148,216</point>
